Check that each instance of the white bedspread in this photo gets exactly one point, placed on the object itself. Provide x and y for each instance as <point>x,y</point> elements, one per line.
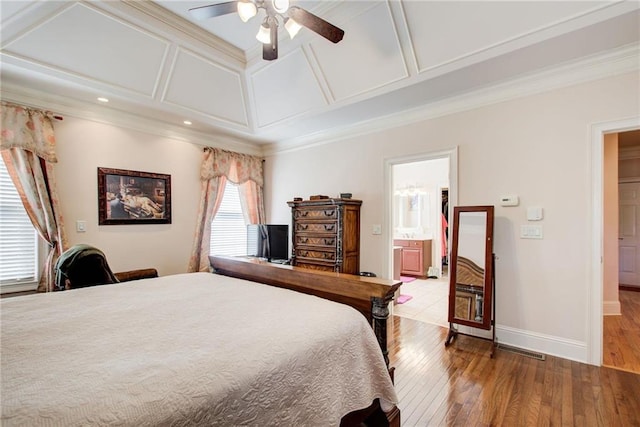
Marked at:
<point>190,349</point>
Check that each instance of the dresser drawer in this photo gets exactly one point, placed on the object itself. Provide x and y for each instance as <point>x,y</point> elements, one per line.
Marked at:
<point>316,227</point>
<point>315,254</point>
<point>313,266</point>
<point>318,241</point>
<point>322,213</point>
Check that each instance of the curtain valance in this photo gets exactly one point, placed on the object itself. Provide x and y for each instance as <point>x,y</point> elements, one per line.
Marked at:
<point>236,167</point>
<point>28,129</point>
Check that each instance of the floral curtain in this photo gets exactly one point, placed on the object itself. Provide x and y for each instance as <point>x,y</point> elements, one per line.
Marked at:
<point>27,145</point>
<point>218,167</point>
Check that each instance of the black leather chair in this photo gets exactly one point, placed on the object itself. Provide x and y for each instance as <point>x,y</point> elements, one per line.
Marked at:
<point>83,265</point>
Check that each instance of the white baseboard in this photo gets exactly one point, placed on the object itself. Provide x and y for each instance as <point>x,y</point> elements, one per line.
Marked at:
<point>611,308</point>
<point>541,343</point>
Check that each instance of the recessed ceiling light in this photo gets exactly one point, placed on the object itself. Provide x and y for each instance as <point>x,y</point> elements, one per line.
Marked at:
<point>187,122</point>
<point>103,99</point>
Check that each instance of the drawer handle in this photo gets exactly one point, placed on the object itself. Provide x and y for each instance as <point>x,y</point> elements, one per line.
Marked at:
<point>303,226</point>
<point>304,213</point>
<point>304,240</point>
<point>329,227</point>
<point>329,242</point>
<point>304,254</point>
<point>329,213</point>
<point>326,256</point>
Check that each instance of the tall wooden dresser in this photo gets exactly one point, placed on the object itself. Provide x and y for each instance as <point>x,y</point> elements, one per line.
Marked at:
<point>326,234</point>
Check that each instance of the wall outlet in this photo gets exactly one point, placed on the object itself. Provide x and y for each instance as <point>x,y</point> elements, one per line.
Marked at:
<point>81,226</point>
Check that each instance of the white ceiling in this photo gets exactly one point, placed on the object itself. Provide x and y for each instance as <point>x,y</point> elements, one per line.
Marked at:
<point>156,65</point>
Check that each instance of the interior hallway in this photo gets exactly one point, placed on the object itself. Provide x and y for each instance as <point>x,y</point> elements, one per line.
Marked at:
<point>621,343</point>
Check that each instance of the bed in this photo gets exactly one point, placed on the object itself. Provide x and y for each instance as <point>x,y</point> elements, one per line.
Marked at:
<point>189,349</point>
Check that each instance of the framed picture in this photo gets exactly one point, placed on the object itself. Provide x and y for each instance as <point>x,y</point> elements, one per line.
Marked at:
<point>131,197</point>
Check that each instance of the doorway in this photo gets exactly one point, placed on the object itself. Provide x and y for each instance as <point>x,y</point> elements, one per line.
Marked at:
<point>602,251</point>
<point>420,190</point>
<point>621,288</point>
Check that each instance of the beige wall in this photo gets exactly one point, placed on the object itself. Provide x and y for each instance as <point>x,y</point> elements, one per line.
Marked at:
<point>82,147</point>
<point>610,299</point>
<point>536,147</point>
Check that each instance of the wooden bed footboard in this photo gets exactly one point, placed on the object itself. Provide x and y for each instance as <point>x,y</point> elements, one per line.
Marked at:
<point>369,295</point>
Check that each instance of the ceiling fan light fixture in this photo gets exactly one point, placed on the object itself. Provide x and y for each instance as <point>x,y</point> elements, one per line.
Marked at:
<point>292,27</point>
<point>264,33</point>
<point>246,10</point>
<point>280,6</point>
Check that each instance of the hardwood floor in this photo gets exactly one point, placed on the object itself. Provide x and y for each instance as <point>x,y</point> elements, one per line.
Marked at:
<point>621,343</point>
<point>462,385</point>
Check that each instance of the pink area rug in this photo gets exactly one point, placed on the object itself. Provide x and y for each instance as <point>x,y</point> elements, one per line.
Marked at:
<point>407,279</point>
<point>403,298</point>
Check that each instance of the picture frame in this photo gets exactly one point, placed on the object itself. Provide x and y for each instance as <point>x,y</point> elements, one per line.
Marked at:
<point>133,197</point>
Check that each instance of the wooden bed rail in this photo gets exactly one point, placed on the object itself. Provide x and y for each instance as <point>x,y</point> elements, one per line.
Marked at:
<point>369,295</point>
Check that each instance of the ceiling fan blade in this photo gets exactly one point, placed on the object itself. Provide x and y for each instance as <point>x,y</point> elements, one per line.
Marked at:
<point>213,10</point>
<point>270,50</point>
<point>316,24</point>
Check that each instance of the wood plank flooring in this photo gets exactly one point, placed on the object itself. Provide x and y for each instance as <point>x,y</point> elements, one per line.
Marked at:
<point>621,343</point>
<point>462,385</point>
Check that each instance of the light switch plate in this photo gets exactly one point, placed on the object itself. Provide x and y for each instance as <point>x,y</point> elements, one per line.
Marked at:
<point>531,232</point>
<point>376,229</point>
<point>534,213</point>
<point>81,226</point>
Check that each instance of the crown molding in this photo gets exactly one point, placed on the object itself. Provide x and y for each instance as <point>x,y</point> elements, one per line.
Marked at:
<point>611,63</point>
<point>110,116</point>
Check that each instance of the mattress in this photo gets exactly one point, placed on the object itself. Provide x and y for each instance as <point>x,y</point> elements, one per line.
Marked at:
<point>188,349</point>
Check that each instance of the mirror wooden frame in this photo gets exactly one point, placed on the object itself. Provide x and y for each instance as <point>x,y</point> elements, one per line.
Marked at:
<point>488,300</point>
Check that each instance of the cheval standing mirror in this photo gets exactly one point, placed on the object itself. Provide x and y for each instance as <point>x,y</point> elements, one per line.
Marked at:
<point>471,293</point>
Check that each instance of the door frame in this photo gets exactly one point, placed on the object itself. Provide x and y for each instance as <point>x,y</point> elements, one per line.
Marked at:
<point>451,155</point>
<point>596,280</point>
<point>441,232</point>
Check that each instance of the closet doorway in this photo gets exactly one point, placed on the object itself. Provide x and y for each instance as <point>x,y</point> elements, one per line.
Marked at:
<point>420,191</point>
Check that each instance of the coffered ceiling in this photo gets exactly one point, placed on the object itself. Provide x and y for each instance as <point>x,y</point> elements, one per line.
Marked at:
<point>160,67</point>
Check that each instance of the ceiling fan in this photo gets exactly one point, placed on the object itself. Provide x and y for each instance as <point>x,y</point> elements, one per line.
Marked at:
<point>293,17</point>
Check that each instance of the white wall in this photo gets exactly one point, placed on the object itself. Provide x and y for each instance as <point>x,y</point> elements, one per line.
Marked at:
<point>536,147</point>
<point>82,147</point>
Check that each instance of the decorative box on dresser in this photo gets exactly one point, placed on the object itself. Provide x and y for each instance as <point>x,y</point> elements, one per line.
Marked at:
<point>326,234</point>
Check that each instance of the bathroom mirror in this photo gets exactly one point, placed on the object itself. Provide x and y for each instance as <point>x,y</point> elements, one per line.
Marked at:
<point>471,267</point>
<point>411,212</point>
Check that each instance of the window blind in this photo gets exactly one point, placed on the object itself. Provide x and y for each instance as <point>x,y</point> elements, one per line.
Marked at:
<point>228,230</point>
<point>19,240</point>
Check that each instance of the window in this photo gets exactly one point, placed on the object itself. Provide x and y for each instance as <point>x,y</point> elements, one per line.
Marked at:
<point>19,243</point>
<point>228,230</point>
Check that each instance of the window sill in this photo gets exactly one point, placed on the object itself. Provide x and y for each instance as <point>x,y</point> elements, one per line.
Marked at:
<point>18,288</point>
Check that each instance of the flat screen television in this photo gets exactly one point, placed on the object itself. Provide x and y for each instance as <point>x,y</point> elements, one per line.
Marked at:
<point>270,241</point>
